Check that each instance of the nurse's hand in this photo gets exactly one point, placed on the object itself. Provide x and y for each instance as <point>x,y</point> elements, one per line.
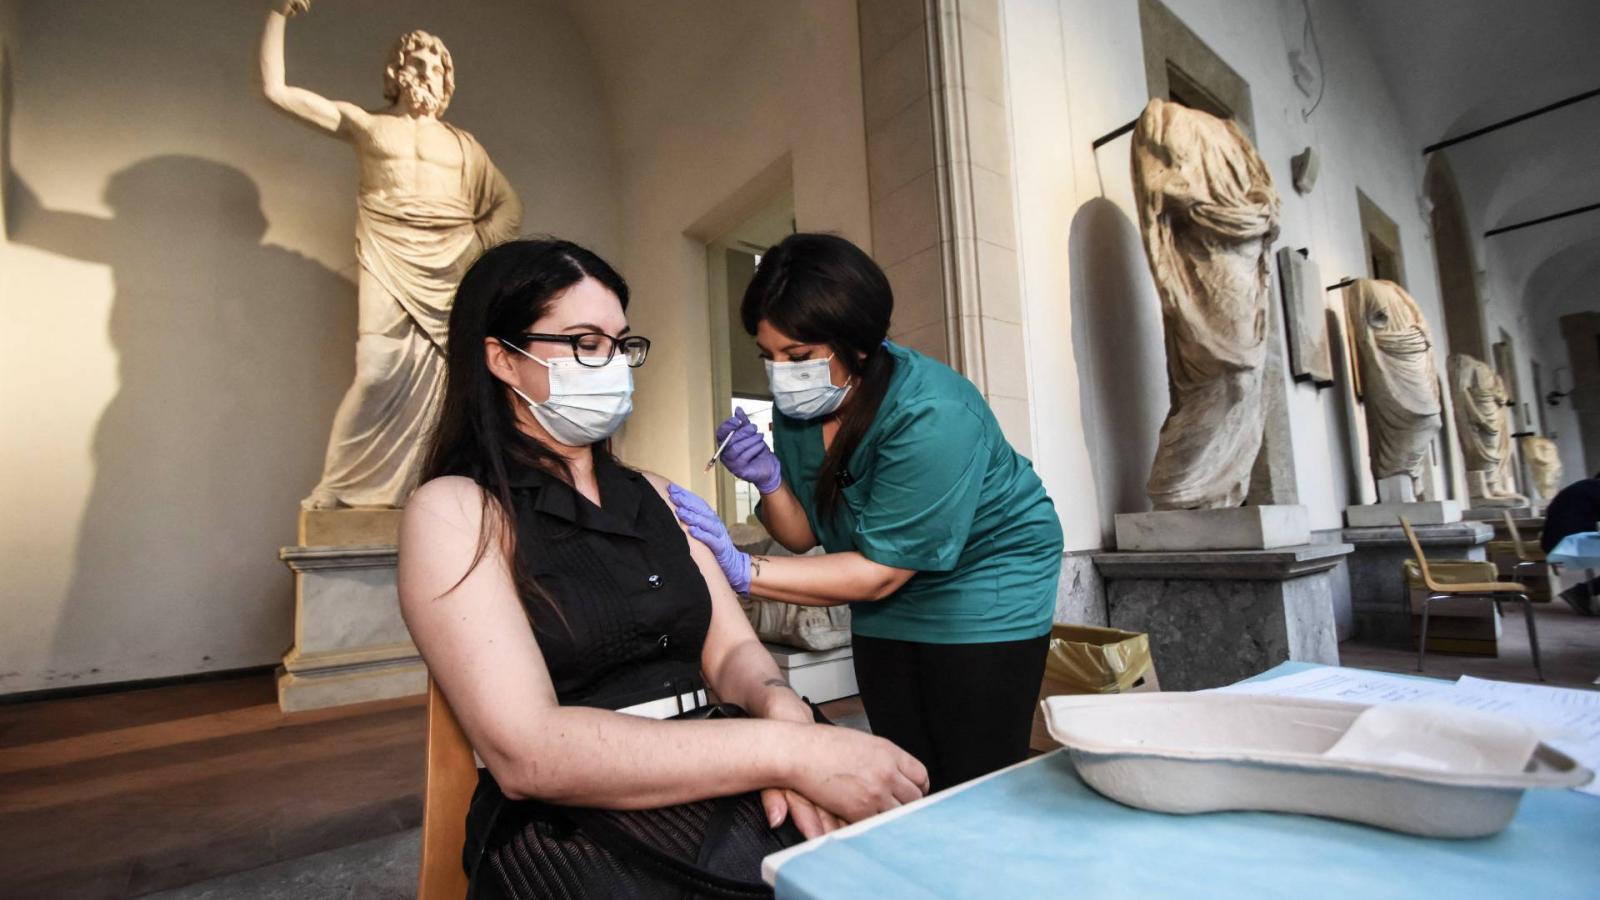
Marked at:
<point>707,528</point>
<point>747,456</point>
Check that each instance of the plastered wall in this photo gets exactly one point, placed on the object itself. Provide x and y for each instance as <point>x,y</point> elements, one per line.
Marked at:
<point>1075,70</point>
<point>178,292</point>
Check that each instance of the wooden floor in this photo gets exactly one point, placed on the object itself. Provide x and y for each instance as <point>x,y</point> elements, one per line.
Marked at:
<point>122,794</point>
<point>118,795</point>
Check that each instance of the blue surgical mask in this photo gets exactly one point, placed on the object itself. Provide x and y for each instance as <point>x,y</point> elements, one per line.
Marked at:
<point>804,390</point>
<point>587,403</point>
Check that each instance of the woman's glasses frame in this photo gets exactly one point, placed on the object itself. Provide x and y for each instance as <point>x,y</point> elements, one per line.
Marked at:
<point>635,348</point>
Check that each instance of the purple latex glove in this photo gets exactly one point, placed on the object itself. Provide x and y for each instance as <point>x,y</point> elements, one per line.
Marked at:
<point>747,456</point>
<point>707,528</point>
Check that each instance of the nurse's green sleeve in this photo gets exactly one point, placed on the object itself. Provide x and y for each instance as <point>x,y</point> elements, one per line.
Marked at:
<point>919,505</point>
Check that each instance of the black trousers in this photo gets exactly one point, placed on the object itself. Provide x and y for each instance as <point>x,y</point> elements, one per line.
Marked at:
<point>964,710</point>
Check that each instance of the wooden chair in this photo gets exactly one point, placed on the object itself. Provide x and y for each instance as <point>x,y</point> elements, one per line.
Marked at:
<point>1527,558</point>
<point>1491,590</point>
<point>452,776</point>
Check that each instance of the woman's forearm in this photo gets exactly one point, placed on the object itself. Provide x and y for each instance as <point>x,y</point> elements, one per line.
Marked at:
<point>593,757</point>
<point>749,677</point>
<point>828,580</point>
<point>785,519</point>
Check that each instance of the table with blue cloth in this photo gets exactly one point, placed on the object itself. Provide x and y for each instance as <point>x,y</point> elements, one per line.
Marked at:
<point>1036,830</point>
<point>1581,550</point>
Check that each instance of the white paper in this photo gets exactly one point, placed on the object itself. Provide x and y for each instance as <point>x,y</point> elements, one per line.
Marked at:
<point>1566,719</point>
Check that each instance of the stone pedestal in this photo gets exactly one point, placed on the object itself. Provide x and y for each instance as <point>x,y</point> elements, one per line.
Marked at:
<point>350,644</point>
<point>1380,515</point>
<point>1239,528</point>
<point>1216,617</point>
<point>1498,513</point>
<point>1378,593</point>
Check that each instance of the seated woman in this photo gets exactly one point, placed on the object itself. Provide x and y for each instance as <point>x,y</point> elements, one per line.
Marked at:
<point>551,590</point>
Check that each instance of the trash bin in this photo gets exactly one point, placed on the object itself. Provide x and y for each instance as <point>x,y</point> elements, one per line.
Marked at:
<point>1084,659</point>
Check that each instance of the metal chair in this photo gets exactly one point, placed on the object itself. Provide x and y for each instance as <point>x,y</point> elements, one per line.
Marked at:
<point>1526,558</point>
<point>1489,590</point>
<point>452,776</point>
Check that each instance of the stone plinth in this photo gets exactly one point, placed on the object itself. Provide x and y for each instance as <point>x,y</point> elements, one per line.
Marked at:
<point>1215,617</point>
<point>1528,528</point>
<point>1378,593</point>
<point>350,644</point>
<point>1380,515</point>
<point>1238,528</point>
<point>349,527</point>
<point>1497,513</point>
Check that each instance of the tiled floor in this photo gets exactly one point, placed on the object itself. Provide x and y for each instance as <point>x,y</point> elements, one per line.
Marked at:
<point>1569,646</point>
<point>209,788</point>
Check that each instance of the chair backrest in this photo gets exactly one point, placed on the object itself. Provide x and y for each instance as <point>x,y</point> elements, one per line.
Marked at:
<point>452,776</point>
<point>1516,536</point>
<point>1422,560</point>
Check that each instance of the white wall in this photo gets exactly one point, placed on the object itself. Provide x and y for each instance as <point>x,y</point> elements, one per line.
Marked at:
<point>1076,71</point>
<point>768,100</point>
<point>180,306</point>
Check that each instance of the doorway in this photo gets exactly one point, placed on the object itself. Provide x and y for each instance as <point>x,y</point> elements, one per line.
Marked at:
<point>739,380</point>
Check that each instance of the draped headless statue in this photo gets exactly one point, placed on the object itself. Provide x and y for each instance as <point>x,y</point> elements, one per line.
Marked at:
<point>429,202</point>
<point>1484,426</point>
<point>1544,464</point>
<point>1398,380</point>
<point>1208,213</point>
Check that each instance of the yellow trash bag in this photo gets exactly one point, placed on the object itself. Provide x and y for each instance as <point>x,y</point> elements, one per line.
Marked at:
<point>1084,659</point>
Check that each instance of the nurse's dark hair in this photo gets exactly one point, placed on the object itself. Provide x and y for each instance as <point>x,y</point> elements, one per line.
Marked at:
<point>822,289</point>
<point>509,288</point>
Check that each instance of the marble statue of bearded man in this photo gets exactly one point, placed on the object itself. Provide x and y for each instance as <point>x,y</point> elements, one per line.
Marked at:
<point>1484,426</point>
<point>429,202</point>
<point>1400,386</point>
<point>1209,214</point>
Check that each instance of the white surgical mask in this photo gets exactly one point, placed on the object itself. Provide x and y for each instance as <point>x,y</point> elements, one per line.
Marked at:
<point>587,403</point>
<point>804,390</point>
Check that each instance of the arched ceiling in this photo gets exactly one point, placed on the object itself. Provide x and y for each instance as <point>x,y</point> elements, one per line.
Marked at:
<point>1456,66</point>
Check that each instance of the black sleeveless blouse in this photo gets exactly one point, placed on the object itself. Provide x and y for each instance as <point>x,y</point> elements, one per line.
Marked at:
<point>627,609</point>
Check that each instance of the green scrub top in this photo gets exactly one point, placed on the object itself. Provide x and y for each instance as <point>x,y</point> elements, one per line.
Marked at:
<point>936,488</point>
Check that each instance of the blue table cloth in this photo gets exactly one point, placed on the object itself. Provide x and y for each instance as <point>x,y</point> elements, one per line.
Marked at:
<point>1581,550</point>
<point>1037,831</point>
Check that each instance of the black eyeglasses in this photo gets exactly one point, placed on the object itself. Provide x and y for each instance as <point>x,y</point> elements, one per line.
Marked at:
<point>596,349</point>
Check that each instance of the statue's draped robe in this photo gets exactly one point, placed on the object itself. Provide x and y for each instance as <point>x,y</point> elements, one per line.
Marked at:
<point>1208,213</point>
<point>1398,380</point>
<point>1544,464</point>
<point>1483,424</point>
<point>413,252</point>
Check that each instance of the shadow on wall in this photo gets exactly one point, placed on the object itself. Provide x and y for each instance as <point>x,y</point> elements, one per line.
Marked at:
<point>1117,340</point>
<point>202,309</point>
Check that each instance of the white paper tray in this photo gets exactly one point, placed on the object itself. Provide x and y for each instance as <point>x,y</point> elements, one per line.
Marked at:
<point>1192,753</point>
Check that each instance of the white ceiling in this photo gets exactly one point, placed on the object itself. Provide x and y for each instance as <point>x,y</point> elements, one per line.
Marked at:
<point>1458,65</point>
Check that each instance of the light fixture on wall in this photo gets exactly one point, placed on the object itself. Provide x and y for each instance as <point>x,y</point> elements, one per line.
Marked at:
<point>1554,397</point>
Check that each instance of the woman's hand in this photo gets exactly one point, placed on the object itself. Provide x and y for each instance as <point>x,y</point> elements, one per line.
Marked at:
<point>747,456</point>
<point>853,775</point>
<point>707,528</point>
<point>812,820</point>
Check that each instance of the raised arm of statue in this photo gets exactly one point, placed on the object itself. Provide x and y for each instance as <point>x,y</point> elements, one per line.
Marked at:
<point>334,116</point>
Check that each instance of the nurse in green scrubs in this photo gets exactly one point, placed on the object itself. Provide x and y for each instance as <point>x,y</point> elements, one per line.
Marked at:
<point>938,533</point>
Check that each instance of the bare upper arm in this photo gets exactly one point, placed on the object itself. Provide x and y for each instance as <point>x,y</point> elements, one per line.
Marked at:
<point>334,116</point>
<point>468,622</point>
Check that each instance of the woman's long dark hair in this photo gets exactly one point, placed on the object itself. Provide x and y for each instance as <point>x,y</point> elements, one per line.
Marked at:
<point>822,289</point>
<point>506,291</point>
